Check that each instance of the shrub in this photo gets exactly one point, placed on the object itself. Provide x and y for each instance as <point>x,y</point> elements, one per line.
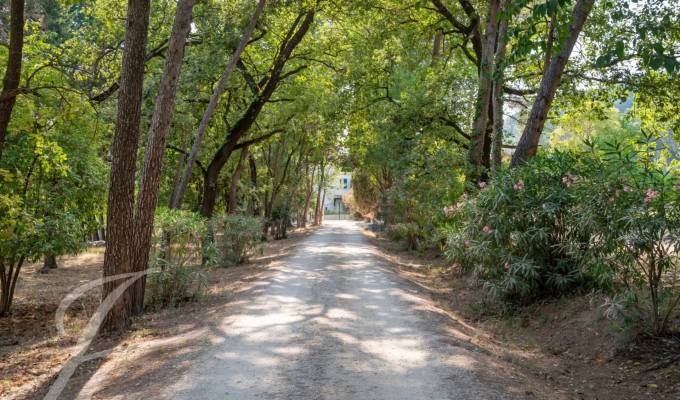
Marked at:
<point>174,284</point>
<point>607,218</point>
<point>633,214</point>
<point>511,235</point>
<point>175,255</point>
<point>235,237</point>
<point>410,232</point>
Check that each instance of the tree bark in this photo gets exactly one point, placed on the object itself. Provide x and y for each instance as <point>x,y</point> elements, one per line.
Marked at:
<point>49,262</point>
<point>155,148</point>
<point>10,82</point>
<point>497,98</point>
<point>119,225</point>
<point>528,143</point>
<point>437,47</point>
<point>479,127</point>
<point>319,206</point>
<point>248,119</point>
<point>212,104</point>
<point>253,208</point>
<point>309,189</point>
<point>235,178</point>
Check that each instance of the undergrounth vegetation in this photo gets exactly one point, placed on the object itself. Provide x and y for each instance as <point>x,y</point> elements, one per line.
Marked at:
<point>567,343</point>
<point>32,352</point>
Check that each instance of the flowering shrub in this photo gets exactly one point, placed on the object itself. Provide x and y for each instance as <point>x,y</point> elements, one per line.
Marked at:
<point>632,212</point>
<point>608,218</point>
<point>511,235</point>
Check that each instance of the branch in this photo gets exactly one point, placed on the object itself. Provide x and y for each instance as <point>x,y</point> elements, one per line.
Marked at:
<point>264,137</point>
<point>181,151</point>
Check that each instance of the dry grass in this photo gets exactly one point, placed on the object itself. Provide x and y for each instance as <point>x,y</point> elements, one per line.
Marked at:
<point>32,353</point>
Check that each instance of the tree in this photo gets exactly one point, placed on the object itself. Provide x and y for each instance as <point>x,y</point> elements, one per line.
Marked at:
<point>528,142</point>
<point>10,82</point>
<point>155,148</point>
<point>118,257</point>
<point>293,37</point>
<point>178,194</point>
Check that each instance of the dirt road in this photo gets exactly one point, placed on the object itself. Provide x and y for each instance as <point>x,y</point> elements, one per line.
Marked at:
<point>334,323</point>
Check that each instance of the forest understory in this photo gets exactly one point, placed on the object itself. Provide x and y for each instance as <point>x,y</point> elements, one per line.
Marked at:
<point>567,343</point>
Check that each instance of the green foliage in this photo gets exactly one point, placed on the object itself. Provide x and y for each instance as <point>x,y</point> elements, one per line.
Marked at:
<point>173,285</point>
<point>511,236</point>
<point>606,218</point>
<point>632,212</point>
<point>236,237</point>
<point>175,256</point>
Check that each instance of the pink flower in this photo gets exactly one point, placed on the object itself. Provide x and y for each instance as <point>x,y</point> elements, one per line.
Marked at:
<point>519,185</point>
<point>651,195</point>
<point>481,185</point>
<point>487,229</point>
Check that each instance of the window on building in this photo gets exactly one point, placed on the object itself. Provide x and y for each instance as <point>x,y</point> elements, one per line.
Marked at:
<point>345,184</point>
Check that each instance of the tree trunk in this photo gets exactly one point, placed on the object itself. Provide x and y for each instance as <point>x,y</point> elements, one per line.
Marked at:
<point>437,47</point>
<point>309,189</point>
<point>9,274</point>
<point>319,206</point>
<point>253,208</point>
<point>155,148</point>
<point>479,127</point>
<point>10,82</point>
<point>212,104</point>
<point>235,178</point>
<point>121,202</point>
<point>497,98</point>
<point>528,143</point>
<point>49,262</point>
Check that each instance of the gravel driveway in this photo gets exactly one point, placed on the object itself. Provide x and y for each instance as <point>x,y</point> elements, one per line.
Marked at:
<point>334,322</point>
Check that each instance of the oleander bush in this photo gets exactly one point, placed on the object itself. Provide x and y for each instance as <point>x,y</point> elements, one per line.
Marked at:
<point>607,218</point>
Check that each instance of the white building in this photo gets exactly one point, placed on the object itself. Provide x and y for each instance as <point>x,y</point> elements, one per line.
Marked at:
<point>339,185</point>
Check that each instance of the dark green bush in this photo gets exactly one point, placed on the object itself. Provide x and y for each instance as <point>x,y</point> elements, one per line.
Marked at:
<point>235,238</point>
<point>511,235</point>
<point>607,219</point>
<point>175,258</point>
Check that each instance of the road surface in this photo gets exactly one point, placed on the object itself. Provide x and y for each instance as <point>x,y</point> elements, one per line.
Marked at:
<point>335,322</point>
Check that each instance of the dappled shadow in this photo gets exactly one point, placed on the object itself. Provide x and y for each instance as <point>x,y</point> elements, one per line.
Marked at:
<point>336,323</point>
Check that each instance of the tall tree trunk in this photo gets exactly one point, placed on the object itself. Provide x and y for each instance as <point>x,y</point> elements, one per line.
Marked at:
<point>212,104</point>
<point>153,159</point>
<point>497,98</point>
<point>10,82</point>
<point>528,143</point>
<point>309,189</point>
<point>235,178</point>
<point>319,206</point>
<point>119,225</point>
<point>253,208</point>
<point>479,127</point>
